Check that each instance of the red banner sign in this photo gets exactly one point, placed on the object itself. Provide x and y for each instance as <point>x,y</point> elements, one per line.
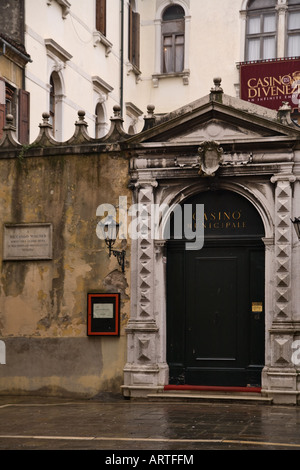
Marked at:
<point>270,83</point>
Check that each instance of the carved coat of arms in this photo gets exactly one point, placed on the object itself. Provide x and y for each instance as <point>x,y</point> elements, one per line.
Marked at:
<point>210,156</point>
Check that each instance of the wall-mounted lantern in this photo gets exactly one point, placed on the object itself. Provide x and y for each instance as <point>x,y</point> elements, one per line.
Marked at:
<point>296,223</point>
<point>111,229</point>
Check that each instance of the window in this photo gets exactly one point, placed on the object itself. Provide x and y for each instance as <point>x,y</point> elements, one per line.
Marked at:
<point>52,102</point>
<point>100,123</point>
<point>293,29</point>
<point>134,36</point>
<point>173,39</point>
<point>261,33</point>
<point>15,102</point>
<point>101,16</point>
<point>10,100</point>
<point>2,106</point>
<point>24,113</point>
<point>55,105</point>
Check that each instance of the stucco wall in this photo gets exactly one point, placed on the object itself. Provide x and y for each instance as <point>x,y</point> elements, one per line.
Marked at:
<point>43,304</point>
<point>12,19</point>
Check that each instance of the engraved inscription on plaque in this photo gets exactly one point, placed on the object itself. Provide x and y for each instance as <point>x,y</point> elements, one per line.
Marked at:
<point>27,241</point>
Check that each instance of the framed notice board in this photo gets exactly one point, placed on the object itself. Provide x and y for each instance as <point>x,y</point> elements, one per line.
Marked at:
<point>103,314</point>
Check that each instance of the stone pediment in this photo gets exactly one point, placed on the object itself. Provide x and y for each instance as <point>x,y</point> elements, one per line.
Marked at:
<point>229,119</point>
<point>214,130</point>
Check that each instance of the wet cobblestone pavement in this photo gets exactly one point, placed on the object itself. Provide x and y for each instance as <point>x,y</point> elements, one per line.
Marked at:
<point>116,425</point>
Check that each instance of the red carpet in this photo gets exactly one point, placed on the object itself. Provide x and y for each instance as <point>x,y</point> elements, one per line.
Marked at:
<point>208,388</point>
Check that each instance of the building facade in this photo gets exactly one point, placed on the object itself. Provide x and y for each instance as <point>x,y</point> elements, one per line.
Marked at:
<point>223,313</point>
<point>14,98</point>
<point>151,130</point>
<point>134,53</point>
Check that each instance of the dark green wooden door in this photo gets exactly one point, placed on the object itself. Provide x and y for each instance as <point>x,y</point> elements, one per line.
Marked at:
<point>215,312</point>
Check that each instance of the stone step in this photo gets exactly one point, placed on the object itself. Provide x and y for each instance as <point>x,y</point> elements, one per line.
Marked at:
<point>192,396</point>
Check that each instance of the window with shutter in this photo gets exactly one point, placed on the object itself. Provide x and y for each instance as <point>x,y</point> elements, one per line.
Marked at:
<point>134,37</point>
<point>2,106</point>
<point>101,16</point>
<point>24,108</point>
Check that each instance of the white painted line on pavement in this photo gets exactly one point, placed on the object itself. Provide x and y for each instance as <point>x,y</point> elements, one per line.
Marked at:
<point>134,439</point>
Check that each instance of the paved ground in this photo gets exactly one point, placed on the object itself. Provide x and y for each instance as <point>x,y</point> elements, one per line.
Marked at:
<point>115,425</point>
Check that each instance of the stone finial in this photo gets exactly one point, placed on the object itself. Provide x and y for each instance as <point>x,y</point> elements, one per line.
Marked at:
<point>149,120</point>
<point>81,121</point>
<point>216,92</point>
<point>217,83</point>
<point>9,121</point>
<point>46,123</point>
<point>116,131</point>
<point>150,109</point>
<point>81,134</point>
<point>9,134</point>
<point>45,137</point>
<point>81,115</point>
<point>117,111</point>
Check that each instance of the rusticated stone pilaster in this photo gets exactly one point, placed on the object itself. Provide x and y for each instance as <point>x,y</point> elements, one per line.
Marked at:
<point>280,377</point>
<point>143,371</point>
<point>283,249</point>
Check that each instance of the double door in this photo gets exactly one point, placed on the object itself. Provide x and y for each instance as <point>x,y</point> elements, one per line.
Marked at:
<point>215,313</point>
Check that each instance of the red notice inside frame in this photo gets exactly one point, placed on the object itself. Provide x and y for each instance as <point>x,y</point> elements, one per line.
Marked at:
<point>103,314</point>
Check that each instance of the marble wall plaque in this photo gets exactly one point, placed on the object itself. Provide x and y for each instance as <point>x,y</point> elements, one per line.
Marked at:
<point>27,241</point>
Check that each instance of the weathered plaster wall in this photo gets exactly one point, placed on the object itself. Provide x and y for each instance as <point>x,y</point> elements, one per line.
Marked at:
<point>43,303</point>
<point>12,19</point>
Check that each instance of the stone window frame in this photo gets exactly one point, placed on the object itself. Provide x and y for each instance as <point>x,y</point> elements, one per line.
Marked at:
<point>57,58</point>
<point>134,114</point>
<point>102,90</point>
<point>289,33</point>
<point>158,74</point>
<point>261,13</point>
<point>172,29</point>
<point>283,7</point>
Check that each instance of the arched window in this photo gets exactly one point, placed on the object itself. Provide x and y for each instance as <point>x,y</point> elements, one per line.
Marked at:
<point>52,102</point>
<point>173,27</point>
<point>100,124</point>
<point>55,105</point>
<point>293,29</point>
<point>261,35</point>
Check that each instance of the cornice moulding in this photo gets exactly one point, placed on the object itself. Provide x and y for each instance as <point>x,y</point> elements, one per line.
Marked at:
<point>65,5</point>
<point>101,86</point>
<point>56,50</point>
